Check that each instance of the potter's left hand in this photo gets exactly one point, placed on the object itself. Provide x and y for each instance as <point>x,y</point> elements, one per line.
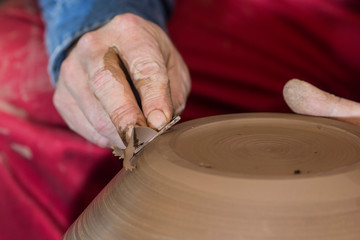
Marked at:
<point>304,98</point>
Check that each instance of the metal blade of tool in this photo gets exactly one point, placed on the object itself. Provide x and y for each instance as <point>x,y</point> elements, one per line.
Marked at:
<point>140,137</point>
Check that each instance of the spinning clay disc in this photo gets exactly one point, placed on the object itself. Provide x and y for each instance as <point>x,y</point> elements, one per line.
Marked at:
<point>242,176</point>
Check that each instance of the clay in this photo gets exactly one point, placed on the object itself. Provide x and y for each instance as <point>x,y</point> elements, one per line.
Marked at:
<point>114,65</point>
<point>242,176</point>
<point>138,136</point>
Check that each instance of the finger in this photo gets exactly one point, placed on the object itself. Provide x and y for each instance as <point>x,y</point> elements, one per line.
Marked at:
<point>146,59</point>
<point>75,119</point>
<point>305,98</point>
<point>149,75</point>
<point>75,81</point>
<point>111,88</point>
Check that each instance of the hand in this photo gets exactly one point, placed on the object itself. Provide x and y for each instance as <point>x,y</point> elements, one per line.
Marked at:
<point>93,95</point>
<point>304,98</point>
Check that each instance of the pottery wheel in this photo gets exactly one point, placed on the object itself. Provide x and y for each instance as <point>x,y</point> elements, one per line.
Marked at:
<point>243,176</point>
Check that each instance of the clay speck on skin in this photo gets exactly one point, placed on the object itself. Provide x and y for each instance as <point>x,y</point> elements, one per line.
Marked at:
<point>113,64</point>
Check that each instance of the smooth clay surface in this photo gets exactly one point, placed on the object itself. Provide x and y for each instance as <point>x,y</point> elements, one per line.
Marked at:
<point>243,176</point>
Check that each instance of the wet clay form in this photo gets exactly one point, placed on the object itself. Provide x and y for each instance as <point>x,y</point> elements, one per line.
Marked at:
<point>243,176</point>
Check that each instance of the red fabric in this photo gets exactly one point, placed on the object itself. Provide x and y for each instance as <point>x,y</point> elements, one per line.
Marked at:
<point>48,174</point>
<point>240,54</point>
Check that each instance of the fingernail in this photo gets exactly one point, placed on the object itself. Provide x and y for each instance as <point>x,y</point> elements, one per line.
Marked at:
<point>156,119</point>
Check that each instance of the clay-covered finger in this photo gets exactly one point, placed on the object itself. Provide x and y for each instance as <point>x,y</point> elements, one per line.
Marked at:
<point>304,98</point>
<point>110,86</point>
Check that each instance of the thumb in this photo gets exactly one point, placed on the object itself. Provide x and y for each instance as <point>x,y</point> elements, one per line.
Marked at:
<point>304,98</point>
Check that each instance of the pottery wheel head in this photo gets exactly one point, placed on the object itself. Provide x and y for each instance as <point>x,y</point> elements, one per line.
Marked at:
<point>268,145</point>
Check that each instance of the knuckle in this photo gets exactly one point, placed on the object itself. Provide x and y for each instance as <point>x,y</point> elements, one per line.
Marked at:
<point>159,93</point>
<point>102,126</point>
<point>100,78</point>
<point>123,116</point>
<point>161,100</point>
<point>88,42</point>
<point>152,89</point>
<point>155,97</point>
<point>146,68</point>
<point>126,20</point>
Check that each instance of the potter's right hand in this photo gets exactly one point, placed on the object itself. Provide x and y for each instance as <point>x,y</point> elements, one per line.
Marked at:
<point>93,95</point>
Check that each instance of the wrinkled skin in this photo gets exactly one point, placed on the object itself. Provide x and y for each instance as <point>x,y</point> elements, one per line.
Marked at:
<point>93,95</point>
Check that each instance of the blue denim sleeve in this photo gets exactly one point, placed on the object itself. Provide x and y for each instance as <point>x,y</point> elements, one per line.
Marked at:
<point>67,20</point>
